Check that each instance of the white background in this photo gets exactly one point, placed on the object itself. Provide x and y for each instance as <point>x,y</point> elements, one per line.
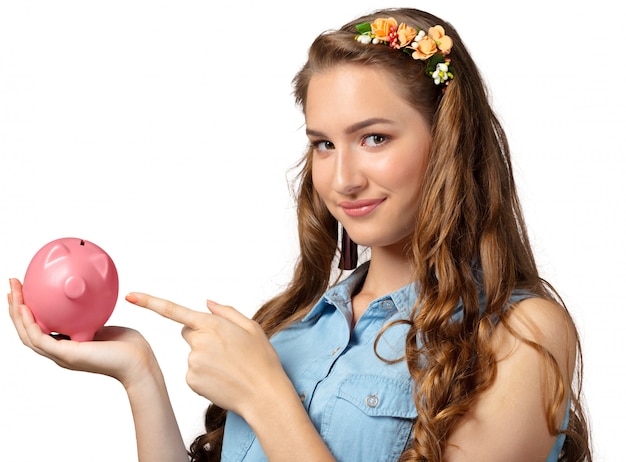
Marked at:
<point>165,132</point>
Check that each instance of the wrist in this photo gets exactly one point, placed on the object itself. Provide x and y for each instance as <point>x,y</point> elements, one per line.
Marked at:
<point>143,372</point>
<point>270,402</point>
<point>283,427</point>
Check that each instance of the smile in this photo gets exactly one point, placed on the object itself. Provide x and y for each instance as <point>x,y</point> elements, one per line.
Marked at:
<point>360,208</point>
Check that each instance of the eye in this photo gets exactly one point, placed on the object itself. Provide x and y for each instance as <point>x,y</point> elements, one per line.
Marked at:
<point>374,140</point>
<point>322,146</point>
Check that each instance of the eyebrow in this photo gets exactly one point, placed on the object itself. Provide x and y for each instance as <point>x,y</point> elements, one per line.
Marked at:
<point>356,126</point>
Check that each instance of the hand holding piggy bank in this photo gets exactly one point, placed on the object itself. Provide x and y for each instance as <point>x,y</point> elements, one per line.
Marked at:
<point>71,286</point>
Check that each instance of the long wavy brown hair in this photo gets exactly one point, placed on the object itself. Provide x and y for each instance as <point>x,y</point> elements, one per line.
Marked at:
<point>470,217</point>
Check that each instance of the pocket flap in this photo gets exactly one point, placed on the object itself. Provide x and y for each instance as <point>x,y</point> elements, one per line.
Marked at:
<point>379,396</point>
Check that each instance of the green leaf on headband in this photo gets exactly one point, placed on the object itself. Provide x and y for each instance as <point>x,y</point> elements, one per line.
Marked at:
<point>363,27</point>
<point>433,61</point>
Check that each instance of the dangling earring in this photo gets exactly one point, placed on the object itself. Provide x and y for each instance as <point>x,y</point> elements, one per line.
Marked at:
<point>349,251</point>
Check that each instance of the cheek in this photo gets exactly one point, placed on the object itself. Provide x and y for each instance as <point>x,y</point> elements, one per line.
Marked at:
<point>403,170</point>
<point>319,176</point>
<point>410,178</point>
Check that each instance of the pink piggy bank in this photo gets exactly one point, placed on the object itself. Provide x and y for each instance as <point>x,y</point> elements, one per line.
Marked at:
<point>71,286</point>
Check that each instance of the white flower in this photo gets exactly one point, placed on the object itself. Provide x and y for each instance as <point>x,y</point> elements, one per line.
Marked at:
<point>440,74</point>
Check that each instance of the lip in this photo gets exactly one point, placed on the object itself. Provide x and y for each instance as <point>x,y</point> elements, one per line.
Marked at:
<point>361,207</point>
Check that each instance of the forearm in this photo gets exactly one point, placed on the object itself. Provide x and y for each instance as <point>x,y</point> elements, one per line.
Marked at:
<point>156,429</point>
<point>284,428</point>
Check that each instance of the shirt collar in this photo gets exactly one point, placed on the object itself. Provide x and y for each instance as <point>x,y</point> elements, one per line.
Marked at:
<point>340,296</point>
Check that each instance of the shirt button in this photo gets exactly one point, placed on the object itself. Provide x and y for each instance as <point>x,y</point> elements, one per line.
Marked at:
<point>388,305</point>
<point>302,396</point>
<point>371,401</point>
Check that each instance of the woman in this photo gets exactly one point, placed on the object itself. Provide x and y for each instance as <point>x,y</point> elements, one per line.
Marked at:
<point>445,345</point>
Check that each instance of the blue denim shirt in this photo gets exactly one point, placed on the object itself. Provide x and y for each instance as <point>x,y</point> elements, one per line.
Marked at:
<point>361,405</point>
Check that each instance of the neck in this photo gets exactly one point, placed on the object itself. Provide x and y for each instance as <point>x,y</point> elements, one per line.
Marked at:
<point>390,269</point>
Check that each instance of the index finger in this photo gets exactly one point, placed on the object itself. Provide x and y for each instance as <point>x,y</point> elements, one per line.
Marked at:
<point>167,309</point>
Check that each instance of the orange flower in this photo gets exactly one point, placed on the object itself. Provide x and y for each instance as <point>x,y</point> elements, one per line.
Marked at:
<point>438,34</point>
<point>380,27</point>
<point>425,48</point>
<point>406,34</point>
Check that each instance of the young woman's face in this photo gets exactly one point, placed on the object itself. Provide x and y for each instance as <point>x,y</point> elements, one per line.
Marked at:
<point>370,151</point>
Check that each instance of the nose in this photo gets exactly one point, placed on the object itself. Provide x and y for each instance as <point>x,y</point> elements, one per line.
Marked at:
<point>75,287</point>
<point>348,177</point>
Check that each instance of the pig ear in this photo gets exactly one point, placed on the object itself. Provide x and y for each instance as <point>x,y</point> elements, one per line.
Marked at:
<point>101,263</point>
<point>57,252</point>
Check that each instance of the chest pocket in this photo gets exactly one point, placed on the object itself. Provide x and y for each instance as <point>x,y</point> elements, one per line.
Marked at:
<point>371,419</point>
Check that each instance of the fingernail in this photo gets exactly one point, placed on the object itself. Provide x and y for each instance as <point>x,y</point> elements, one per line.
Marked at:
<point>210,304</point>
<point>132,298</point>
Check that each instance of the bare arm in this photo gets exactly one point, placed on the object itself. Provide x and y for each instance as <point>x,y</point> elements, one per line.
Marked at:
<point>120,353</point>
<point>156,429</point>
<point>508,422</point>
<point>283,427</point>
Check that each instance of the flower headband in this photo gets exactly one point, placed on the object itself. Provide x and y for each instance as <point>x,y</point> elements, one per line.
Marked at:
<point>432,47</point>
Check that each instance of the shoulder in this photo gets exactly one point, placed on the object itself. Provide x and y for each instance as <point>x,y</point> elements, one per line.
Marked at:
<point>541,324</point>
<point>535,346</point>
